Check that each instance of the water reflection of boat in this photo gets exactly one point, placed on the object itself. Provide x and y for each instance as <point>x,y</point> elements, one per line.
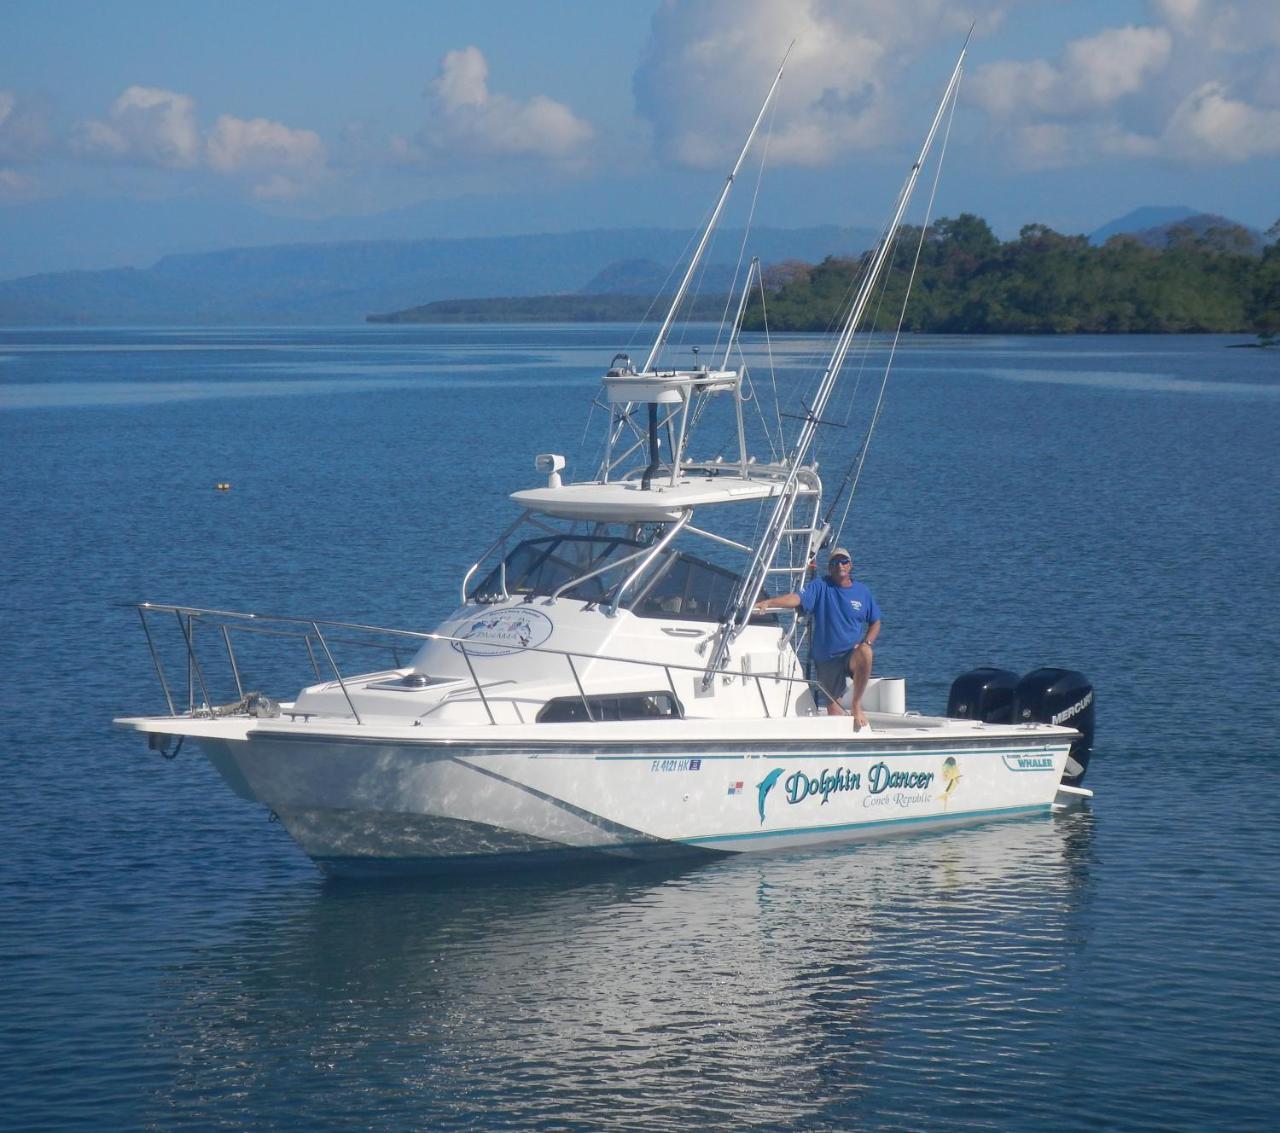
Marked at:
<point>639,997</point>
<point>606,687</point>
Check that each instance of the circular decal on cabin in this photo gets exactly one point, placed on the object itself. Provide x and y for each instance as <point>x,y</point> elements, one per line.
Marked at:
<point>504,631</point>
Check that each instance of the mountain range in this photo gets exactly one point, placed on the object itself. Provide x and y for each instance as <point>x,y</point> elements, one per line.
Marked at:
<point>343,282</point>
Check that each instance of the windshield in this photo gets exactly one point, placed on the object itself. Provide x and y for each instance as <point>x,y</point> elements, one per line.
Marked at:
<point>542,566</point>
<point>677,585</point>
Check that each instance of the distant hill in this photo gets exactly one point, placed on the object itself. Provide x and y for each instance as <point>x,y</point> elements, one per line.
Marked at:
<point>648,277</point>
<point>1153,226</point>
<point>1203,225</point>
<point>342,282</point>
<point>598,308</point>
<point>1141,220</point>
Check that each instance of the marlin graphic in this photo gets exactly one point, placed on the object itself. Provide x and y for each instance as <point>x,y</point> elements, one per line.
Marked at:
<point>765,786</point>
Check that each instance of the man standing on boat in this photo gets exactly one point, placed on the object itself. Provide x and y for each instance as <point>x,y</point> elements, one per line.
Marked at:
<point>846,622</point>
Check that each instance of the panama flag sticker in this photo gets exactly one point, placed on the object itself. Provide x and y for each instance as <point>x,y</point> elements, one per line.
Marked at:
<point>735,788</point>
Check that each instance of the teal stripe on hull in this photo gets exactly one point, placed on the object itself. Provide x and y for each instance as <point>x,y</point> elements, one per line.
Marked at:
<point>710,840</point>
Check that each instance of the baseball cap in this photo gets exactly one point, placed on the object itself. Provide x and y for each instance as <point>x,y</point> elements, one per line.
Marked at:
<point>838,552</point>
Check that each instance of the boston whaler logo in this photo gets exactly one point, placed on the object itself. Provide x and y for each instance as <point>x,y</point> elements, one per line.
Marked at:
<point>503,632</point>
<point>884,785</point>
<point>1028,762</point>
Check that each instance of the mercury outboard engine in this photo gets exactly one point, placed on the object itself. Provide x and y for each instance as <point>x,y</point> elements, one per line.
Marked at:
<point>983,694</point>
<point>1059,696</point>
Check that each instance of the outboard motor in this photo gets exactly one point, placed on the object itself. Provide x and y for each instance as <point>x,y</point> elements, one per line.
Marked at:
<point>983,694</point>
<point>1059,696</point>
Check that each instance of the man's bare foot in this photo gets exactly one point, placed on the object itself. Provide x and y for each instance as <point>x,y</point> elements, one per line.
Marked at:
<point>859,720</point>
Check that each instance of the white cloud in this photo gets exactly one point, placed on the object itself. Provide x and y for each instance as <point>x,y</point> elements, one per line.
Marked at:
<point>1197,80</point>
<point>146,125</point>
<point>1210,125</point>
<point>1006,89</point>
<point>1059,145</point>
<point>15,186</point>
<point>1202,84</point>
<point>24,131</point>
<point>1223,26</point>
<point>150,126</point>
<point>468,120</point>
<point>1095,72</point>
<point>1230,41</point>
<point>292,159</point>
<point>463,79</point>
<point>709,62</point>
<point>256,143</point>
<point>1115,63</point>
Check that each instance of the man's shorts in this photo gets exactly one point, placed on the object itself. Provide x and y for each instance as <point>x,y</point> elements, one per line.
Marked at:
<point>833,676</point>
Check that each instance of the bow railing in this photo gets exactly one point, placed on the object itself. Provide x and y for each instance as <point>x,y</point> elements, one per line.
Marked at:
<point>321,639</point>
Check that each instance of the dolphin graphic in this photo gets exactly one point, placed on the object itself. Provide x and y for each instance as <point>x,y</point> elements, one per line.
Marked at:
<point>765,786</point>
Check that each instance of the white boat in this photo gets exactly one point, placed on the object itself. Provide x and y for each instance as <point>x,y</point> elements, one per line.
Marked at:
<point>603,688</point>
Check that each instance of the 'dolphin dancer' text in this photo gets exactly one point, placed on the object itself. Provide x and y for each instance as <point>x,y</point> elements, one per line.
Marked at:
<point>882,778</point>
<point>801,786</point>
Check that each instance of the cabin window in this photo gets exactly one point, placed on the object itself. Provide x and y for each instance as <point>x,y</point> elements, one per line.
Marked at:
<point>631,706</point>
<point>690,590</point>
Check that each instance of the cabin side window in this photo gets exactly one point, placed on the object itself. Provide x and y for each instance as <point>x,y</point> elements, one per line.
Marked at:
<point>689,589</point>
<point>631,706</point>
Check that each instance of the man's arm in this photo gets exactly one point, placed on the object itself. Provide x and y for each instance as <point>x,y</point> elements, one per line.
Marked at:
<point>873,631</point>
<point>781,602</point>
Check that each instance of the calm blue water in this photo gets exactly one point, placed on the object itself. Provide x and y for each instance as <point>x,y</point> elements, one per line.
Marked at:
<point>169,960</point>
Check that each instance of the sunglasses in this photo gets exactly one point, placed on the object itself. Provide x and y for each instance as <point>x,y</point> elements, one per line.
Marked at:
<point>841,561</point>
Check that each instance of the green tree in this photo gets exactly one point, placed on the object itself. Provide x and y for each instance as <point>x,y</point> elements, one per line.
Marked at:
<point>1264,307</point>
<point>1048,282</point>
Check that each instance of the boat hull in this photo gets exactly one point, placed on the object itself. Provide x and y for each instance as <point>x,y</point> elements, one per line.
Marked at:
<point>372,806</point>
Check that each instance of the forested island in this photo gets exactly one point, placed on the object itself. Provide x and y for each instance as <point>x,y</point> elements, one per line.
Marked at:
<point>1214,280</point>
<point>969,282</point>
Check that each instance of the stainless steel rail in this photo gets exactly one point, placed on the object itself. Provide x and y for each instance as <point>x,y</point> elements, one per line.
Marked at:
<point>309,630</point>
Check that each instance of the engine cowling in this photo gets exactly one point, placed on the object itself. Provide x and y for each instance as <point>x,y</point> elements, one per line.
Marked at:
<point>983,694</point>
<point>1043,696</point>
<point>1059,696</point>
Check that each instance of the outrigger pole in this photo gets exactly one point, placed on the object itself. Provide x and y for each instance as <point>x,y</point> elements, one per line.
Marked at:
<point>661,340</point>
<point>753,580</point>
<point>615,429</point>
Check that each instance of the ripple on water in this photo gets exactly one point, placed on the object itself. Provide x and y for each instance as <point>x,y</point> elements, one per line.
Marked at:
<point>169,960</point>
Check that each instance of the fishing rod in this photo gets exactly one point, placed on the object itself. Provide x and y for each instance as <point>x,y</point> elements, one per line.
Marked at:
<point>754,578</point>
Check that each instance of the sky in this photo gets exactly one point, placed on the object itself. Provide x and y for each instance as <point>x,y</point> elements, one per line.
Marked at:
<point>140,127</point>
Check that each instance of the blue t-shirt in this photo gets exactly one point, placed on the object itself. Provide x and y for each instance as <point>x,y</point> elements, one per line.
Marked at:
<point>841,615</point>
